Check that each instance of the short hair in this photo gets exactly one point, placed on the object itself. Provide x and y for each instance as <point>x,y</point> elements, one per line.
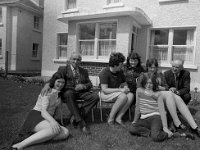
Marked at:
<point>133,56</point>
<point>116,59</point>
<point>151,62</point>
<point>75,53</point>
<point>54,77</point>
<point>146,77</point>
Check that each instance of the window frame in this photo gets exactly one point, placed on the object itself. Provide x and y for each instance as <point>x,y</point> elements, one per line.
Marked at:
<point>36,22</point>
<point>170,45</point>
<point>1,15</point>
<point>95,57</point>
<point>34,49</point>
<point>60,45</point>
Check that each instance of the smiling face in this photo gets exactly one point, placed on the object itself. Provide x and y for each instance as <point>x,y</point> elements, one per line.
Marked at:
<point>59,84</point>
<point>152,68</point>
<point>133,62</point>
<point>177,66</point>
<point>149,85</point>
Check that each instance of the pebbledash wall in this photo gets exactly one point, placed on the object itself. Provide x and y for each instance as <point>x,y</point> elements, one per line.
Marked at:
<point>158,13</point>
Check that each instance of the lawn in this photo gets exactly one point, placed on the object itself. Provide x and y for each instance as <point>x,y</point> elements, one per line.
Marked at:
<point>17,99</point>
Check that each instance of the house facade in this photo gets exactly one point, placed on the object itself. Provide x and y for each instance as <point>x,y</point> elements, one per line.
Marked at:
<point>163,29</point>
<point>21,35</point>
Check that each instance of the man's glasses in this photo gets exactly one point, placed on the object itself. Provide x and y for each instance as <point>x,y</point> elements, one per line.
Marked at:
<point>77,59</point>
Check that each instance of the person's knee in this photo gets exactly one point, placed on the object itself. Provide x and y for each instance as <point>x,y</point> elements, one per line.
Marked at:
<point>159,136</point>
<point>66,132</point>
<point>123,97</point>
<point>186,98</point>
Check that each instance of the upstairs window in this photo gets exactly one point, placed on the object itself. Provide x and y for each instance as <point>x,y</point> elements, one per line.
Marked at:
<point>70,4</point>
<point>169,44</point>
<point>62,45</point>
<point>35,50</point>
<point>36,21</point>
<point>97,40</point>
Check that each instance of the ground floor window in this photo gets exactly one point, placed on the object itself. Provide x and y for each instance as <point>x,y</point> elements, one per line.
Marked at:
<point>35,50</point>
<point>174,43</point>
<point>97,39</point>
<point>0,46</point>
<point>62,45</point>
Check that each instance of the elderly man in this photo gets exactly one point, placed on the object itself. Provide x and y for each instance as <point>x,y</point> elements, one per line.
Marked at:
<point>78,86</point>
<point>178,80</point>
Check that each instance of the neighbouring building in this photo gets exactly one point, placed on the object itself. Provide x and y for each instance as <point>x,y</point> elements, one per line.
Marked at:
<point>164,29</point>
<point>21,25</point>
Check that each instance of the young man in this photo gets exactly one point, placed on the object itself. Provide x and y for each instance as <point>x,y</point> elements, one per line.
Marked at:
<point>77,87</point>
<point>114,88</point>
<point>178,80</point>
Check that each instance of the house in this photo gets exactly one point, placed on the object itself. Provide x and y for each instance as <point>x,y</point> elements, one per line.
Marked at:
<point>163,29</point>
<point>21,35</point>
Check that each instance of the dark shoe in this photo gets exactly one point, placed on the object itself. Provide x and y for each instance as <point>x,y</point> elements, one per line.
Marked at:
<point>181,127</point>
<point>195,131</point>
<point>121,123</point>
<point>85,130</point>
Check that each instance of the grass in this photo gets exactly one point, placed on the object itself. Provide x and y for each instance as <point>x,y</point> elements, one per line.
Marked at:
<point>17,99</point>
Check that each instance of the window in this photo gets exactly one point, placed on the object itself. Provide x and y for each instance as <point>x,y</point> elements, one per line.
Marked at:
<point>36,22</point>
<point>112,1</point>
<point>0,14</point>
<point>62,45</point>
<point>0,46</point>
<point>134,38</point>
<point>169,44</point>
<point>70,4</point>
<point>35,50</point>
<point>97,39</point>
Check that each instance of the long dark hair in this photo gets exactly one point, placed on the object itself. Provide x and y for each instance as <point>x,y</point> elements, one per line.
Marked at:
<point>133,56</point>
<point>150,62</point>
<point>53,79</point>
<point>116,58</point>
<point>146,77</point>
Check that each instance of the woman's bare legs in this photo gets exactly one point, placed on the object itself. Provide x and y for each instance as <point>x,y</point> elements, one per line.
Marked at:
<point>43,132</point>
<point>182,107</point>
<point>119,103</point>
<point>122,111</point>
<point>169,100</point>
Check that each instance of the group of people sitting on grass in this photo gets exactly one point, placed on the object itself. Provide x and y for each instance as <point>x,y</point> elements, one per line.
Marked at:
<point>156,97</point>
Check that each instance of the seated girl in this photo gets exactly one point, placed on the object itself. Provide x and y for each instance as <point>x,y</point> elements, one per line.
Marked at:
<point>39,125</point>
<point>171,100</point>
<point>150,117</point>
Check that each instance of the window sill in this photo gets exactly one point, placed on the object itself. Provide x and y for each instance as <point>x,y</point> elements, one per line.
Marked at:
<point>113,5</point>
<point>70,11</point>
<point>36,30</point>
<point>1,24</point>
<point>85,59</point>
<point>60,60</point>
<point>35,59</point>
<point>185,66</point>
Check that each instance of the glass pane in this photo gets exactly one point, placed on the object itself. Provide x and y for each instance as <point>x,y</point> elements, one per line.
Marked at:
<point>106,47</point>
<point>160,53</point>
<point>180,37</point>
<point>71,4</point>
<point>183,52</point>
<point>62,51</point>
<point>160,37</point>
<point>87,48</point>
<point>63,39</point>
<point>108,31</point>
<point>87,31</point>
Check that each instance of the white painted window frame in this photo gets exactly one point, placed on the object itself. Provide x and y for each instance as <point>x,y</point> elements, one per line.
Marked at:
<point>35,49</point>
<point>59,45</point>
<point>170,45</point>
<point>95,58</point>
<point>36,22</point>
